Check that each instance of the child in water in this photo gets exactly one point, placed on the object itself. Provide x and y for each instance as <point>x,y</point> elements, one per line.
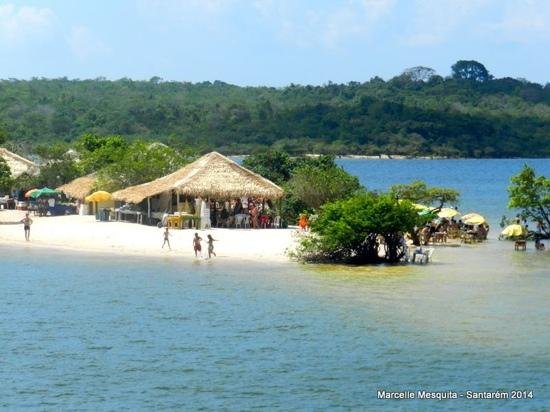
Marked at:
<point>197,244</point>
<point>166,238</point>
<point>211,241</point>
<point>27,222</point>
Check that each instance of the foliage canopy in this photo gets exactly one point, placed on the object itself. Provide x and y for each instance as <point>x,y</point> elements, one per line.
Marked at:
<point>419,113</point>
<point>419,192</point>
<point>5,176</point>
<point>315,186</point>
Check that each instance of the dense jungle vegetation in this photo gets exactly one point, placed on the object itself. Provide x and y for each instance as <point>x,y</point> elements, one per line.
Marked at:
<point>468,114</point>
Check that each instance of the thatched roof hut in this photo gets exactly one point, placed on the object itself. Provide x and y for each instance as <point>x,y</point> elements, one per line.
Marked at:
<point>18,164</point>
<point>80,187</point>
<point>219,177</point>
<point>212,175</point>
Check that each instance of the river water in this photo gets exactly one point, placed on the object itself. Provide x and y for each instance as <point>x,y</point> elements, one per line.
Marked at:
<point>94,333</point>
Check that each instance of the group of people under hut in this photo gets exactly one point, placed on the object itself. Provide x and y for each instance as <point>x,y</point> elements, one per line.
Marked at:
<point>441,229</point>
<point>244,212</point>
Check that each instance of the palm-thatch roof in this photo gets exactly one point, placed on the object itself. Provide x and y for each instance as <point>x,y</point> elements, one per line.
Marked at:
<point>217,176</point>
<point>212,175</point>
<point>18,164</point>
<point>80,187</point>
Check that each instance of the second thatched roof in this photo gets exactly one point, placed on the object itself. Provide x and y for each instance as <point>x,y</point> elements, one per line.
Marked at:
<point>213,175</point>
<point>80,187</point>
<point>18,164</point>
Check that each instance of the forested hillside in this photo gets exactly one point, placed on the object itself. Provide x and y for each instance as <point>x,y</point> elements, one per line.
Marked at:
<point>417,113</point>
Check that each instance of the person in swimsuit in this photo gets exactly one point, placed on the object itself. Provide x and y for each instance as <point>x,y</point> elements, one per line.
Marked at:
<point>197,244</point>
<point>27,222</point>
<point>211,241</point>
<point>166,239</point>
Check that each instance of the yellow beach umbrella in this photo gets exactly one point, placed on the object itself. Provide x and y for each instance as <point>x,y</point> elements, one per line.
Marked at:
<point>513,231</point>
<point>473,219</point>
<point>448,213</point>
<point>99,196</point>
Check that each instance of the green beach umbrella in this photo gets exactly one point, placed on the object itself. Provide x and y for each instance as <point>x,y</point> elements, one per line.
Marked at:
<point>44,192</point>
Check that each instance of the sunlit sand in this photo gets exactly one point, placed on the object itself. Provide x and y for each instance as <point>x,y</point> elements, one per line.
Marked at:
<point>85,234</point>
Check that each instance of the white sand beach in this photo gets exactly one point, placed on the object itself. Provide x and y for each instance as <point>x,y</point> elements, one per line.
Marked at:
<point>84,234</point>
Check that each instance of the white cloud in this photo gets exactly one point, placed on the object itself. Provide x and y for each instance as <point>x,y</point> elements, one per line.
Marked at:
<point>18,24</point>
<point>436,20</point>
<point>327,27</point>
<point>85,45</point>
<point>524,21</point>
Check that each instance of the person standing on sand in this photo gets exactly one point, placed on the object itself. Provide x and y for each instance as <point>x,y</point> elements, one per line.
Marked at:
<point>197,244</point>
<point>27,222</point>
<point>166,238</point>
<point>211,241</point>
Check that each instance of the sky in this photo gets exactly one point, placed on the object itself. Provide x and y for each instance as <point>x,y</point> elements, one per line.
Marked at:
<point>271,42</point>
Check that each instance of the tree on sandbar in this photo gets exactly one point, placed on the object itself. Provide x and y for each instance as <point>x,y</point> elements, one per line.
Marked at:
<point>352,231</point>
<point>531,194</point>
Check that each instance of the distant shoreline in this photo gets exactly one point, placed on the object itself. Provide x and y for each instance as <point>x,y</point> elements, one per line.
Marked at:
<point>403,157</point>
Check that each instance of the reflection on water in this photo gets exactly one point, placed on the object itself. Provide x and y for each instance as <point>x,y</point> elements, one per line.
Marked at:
<point>94,333</point>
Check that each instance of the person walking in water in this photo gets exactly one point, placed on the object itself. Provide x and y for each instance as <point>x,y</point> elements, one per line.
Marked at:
<point>27,222</point>
<point>197,244</point>
<point>166,239</point>
<point>211,241</point>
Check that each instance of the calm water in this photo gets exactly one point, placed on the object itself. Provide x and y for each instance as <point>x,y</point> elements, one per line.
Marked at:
<point>482,183</point>
<point>94,333</point>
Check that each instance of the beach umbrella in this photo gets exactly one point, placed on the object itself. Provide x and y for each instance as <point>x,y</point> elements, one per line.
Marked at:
<point>99,196</point>
<point>44,192</point>
<point>30,192</point>
<point>513,231</point>
<point>473,219</point>
<point>447,213</point>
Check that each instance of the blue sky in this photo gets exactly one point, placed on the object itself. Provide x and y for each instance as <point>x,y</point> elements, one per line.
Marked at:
<point>271,42</point>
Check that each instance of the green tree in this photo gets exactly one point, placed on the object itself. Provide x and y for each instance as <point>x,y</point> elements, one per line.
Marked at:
<point>349,230</point>
<point>56,173</point>
<point>6,180</point>
<point>141,162</point>
<point>470,70</point>
<point>531,194</point>
<point>58,165</point>
<point>419,192</point>
<point>25,181</point>
<point>419,73</point>
<point>317,185</point>
<point>97,152</point>
<point>274,165</point>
